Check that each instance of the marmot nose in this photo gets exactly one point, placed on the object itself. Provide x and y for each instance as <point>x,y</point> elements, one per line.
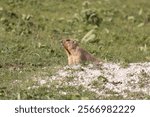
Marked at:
<point>61,41</point>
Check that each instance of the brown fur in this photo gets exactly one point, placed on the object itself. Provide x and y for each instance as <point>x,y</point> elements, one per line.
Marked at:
<point>76,54</point>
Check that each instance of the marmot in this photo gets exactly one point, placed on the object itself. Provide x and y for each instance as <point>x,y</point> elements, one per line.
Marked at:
<point>76,54</point>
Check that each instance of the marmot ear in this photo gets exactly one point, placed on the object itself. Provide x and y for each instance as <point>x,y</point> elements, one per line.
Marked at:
<point>76,42</point>
<point>67,40</point>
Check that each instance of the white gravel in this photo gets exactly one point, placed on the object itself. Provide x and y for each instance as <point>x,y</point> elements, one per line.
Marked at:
<point>109,76</point>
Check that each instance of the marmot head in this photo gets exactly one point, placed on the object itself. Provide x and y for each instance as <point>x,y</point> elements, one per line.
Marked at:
<point>69,45</point>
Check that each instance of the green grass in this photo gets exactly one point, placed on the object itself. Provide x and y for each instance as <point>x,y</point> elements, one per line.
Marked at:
<point>31,30</point>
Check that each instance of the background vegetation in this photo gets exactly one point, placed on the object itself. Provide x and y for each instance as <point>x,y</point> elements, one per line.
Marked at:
<point>31,30</point>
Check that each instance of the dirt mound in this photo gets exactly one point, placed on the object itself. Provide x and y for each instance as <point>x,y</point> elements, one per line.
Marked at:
<point>135,78</point>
